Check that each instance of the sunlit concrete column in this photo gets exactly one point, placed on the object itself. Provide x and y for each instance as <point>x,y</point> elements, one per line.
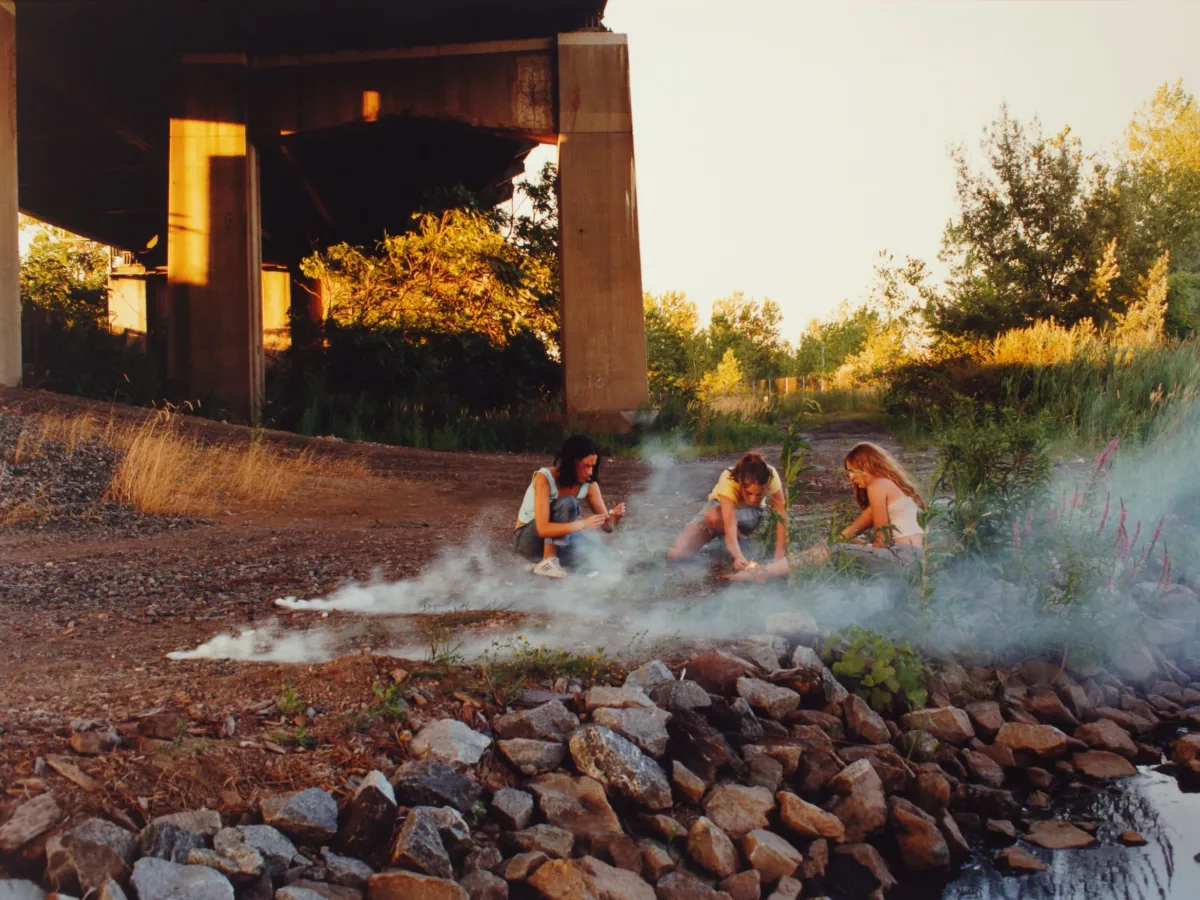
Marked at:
<point>603,331</point>
<point>10,260</point>
<point>214,265</point>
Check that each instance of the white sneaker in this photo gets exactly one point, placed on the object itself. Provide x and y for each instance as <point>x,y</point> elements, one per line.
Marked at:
<point>550,568</point>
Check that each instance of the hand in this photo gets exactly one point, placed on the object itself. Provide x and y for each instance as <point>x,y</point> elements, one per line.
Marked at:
<point>740,563</point>
<point>592,523</point>
<point>617,513</point>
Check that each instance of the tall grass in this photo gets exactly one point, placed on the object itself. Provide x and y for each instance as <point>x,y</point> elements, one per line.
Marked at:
<point>163,471</point>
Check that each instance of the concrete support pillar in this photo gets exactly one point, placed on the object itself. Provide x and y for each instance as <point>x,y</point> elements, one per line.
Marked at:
<point>603,329</point>
<point>10,259</point>
<point>214,245</point>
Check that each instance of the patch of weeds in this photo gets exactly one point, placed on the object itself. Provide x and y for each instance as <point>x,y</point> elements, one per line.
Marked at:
<point>388,702</point>
<point>514,662</point>
<point>443,649</point>
<point>289,702</point>
<point>299,737</point>
<point>882,671</point>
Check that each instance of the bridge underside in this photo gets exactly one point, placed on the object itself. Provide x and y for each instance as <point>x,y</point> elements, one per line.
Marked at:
<point>218,136</point>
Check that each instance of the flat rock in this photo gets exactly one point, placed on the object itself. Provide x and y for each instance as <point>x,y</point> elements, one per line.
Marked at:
<point>1105,734</point>
<point>710,847</point>
<point>370,816</point>
<point>983,768</point>
<point>83,858</point>
<point>165,841</point>
<point>863,810</point>
<point>159,879</point>
<point>413,886</point>
<point>1058,835</point>
<point>1043,740</point>
<point>309,816</point>
<point>522,865</point>
<point>656,861</point>
<point>985,716</point>
<point>346,870</point>
<point>450,741</point>
<point>29,820</point>
<point>302,887</point>
<point>532,757</point>
<point>1186,749</point>
<point>418,845</point>
<point>949,724</point>
<point>240,864</point>
<point>576,803</point>
<point>738,809</point>
<point>646,728</point>
<point>512,809</point>
<point>1102,764</point>
<point>616,763</point>
<point>614,883</point>
<point>549,722</point>
<point>429,782</point>
<point>1019,860</point>
<point>481,885</point>
<point>770,855</point>
<point>680,695</point>
<point>808,820</point>
<point>1002,829</point>
<point>649,675</point>
<point>765,772</point>
<point>858,775</point>
<point>555,842</point>
<point>204,822</point>
<point>1048,706</point>
<point>864,723</point>
<point>922,846</point>
<point>689,784</point>
<point>930,790</point>
<point>717,671</point>
<point>617,698</point>
<point>681,885</point>
<point>743,886</point>
<point>775,701</point>
<point>1132,839</point>
<point>276,851</point>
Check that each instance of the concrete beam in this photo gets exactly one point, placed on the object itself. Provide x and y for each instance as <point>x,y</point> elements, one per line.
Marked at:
<point>10,259</point>
<point>501,86</point>
<point>600,269</point>
<point>214,241</point>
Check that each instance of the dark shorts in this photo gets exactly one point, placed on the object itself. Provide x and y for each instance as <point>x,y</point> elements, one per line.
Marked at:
<point>525,538</point>
<point>748,518</point>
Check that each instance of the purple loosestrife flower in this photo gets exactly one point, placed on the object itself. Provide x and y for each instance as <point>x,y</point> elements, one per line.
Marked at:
<point>1105,454</point>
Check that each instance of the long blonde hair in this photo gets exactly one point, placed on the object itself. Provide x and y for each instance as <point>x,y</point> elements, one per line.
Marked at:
<point>874,460</point>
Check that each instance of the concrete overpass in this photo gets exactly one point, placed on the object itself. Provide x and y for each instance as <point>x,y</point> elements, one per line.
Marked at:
<point>216,136</point>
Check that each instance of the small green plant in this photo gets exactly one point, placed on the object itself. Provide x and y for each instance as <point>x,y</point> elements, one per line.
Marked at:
<point>443,649</point>
<point>388,702</point>
<point>884,672</point>
<point>290,703</point>
<point>299,737</point>
<point>516,661</point>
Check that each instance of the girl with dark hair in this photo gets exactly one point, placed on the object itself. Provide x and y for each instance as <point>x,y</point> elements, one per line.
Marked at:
<point>736,506</point>
<point>549,519</point>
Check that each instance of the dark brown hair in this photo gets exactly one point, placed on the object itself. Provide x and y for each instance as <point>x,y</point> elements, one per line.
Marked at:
<point>751,467</point>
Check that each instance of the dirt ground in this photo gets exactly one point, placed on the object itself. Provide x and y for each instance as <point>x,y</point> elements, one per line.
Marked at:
<point>89,613</point>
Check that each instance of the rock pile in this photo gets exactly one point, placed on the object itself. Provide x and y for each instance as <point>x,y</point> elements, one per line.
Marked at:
<point>747,779</point>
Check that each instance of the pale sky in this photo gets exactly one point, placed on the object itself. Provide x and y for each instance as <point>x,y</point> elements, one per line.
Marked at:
<point>781,144</point>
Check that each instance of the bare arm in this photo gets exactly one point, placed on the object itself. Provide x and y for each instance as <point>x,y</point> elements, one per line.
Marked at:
<point>729,518</point>
<point>596,501</point>
<point>541,514</point>
<point>779,504</point>
<point>865,520</point>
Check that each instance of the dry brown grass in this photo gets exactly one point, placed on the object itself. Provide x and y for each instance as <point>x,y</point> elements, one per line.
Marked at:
<point>164,471</point>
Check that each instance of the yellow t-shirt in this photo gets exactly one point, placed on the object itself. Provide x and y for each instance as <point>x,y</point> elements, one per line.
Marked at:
<point>727,487</point>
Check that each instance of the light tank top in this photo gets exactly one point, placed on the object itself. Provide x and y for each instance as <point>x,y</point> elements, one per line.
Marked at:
<point>526,513</point>
<point>903,515</point>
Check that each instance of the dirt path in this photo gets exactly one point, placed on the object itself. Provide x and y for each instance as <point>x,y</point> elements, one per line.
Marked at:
<point>88,616</point>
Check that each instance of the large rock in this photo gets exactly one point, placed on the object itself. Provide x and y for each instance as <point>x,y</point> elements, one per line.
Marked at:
<point>743,886</point>
<point>512,809</point>
<point>770,855</point>
<point>1048,706</point>
<point>616,763</point>
<point>864,723</point>
<point>922,846</point>
<point>533,757</point>
<point>859,870</point>
<point>775,701</point>
<point>649,675</point>
<point>946,724</point>
<point>370,816</point>
<point>930,790</point>
<point>413,886</point>
<point>863,806</point>
<point>698,745</point>
<point>710,847</point>
<point>203,822</point>
<point>1186,749</point>
<point>1102,764</point>
<point>986,717</point>
<point>1042,740</point>
<point>1105,734</point>
<point>817,768</point>
<point>158,879</point>
<point>788,889</point>
<point>1058,835</point>
<point>983,768</point>
<point>717,672</point>
<point>549,722</point>
<point>736,720</point>
<point>450,741</point>
<point>577,804</point>
<point>738,809</point>
<point>29,820</point>
<point>614,883</point>
<point>647,728</point>
<point>689,784</point>
<point>808,820</point>
<point>674,696</point>
<point>521,866</point>
<point>481,885</point>
<point>82,859</point>
<point>309,816</point>
<point>1019,860</point>
<point>428,782</point>
<point>346,870</point>
<point>306,889</point>
<point>616,698</point>
<point>681,885</point>
<point>556,843</point>
<point>275,850</point>
<point>418,845</point>
<point>165,841</point>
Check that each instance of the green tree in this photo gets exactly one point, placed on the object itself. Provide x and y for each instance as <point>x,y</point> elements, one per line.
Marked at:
<point>675,348</point>
<point>1032,227</point>
<point>751,329</point>
<point>825,345</point>
<point>65,275</point>
<point>726,379</point>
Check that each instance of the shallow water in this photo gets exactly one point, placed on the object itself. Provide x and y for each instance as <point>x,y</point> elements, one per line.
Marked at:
<point>1150,803</point>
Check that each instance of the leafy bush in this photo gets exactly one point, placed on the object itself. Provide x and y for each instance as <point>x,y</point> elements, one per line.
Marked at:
<point>884,673</point>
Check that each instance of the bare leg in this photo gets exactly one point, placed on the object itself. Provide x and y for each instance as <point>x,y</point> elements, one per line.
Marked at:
<point>776,568</point>
<point>689,542</point>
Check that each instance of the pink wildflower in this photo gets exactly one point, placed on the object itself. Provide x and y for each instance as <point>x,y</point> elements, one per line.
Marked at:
<point>1164,579</point>
<point>1105,454</point>
<point>1016,534</point>
<point>1104,515</point>
<point>1029,520</point>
